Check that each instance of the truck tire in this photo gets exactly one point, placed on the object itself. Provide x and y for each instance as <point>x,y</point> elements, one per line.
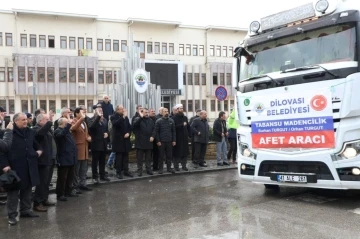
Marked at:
<point>272,186</point>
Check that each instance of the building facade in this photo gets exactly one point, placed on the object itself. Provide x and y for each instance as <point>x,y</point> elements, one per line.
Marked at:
<point>73,59</point>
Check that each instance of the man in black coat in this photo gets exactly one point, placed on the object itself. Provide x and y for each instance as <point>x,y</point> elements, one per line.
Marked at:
<point>121,141</point>
<point>166,139</point>
<point>107,108</point>
<point>44,137</point>
<point>192,135</point>
<point>67,156</point>
<point>22,158</point>
<point>98,130</point>
<point>220,137</point>
<point>200,128</point>
<point>181,149</point>
<point>144,139</point>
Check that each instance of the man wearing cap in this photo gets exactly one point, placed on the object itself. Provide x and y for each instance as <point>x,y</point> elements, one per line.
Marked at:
<point>181,149</point>
<point>192,134</point>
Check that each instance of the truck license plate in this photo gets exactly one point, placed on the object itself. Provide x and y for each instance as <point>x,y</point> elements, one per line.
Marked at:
<point>292,178</point>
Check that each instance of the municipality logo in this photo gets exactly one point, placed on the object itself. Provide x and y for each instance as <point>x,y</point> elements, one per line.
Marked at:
<point>140,80</point>
<point>247,102</point>
<point>259,107</point>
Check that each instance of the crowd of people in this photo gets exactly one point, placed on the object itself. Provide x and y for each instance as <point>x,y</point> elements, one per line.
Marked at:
<point>30,148</point>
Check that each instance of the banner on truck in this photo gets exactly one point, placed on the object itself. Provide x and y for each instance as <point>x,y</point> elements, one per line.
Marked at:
<point>293,120</point>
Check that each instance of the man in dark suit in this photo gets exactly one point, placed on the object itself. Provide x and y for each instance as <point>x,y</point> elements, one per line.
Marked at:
<point>121,141</point>
<point>98,130</point>
<point>22,158</point>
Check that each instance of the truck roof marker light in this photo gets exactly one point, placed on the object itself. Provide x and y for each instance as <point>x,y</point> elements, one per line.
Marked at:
<point>322,6</point>
<point>255,27</point>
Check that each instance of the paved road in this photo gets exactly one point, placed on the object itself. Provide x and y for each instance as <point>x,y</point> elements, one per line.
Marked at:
<point>207,205</point>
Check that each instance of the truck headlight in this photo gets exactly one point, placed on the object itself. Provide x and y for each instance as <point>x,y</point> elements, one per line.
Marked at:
<point>322,6</point>
<point>350,150</point>
<point>245,151</point>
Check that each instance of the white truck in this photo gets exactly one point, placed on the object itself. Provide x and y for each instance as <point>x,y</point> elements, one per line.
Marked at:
<point>298,97</point>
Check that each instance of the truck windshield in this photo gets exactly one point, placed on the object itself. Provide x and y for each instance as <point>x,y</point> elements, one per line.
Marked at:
<point>325,45</point>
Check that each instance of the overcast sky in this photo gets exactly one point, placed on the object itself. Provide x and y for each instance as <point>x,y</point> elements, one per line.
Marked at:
<point>232,13</point>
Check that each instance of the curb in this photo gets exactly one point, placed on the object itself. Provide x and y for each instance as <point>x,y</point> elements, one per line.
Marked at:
<point>156,175</point>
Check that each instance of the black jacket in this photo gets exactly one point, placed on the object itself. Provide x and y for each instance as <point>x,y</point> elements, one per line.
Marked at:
<point>165,130</point>
<point>5,141</point>
<point>44,137</point>
<point>96,131</point>
<point>202,126</point>
<point>144,128</point>
<point>192,120</point>
<point>218,124</point>
<point>120,127</point>
<point>22,157</point>
<point>181,148</point>
<point>108,110</point>
<point>66,147</point>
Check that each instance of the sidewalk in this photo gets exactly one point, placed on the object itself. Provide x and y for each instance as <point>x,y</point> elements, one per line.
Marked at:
<point>212,166</point>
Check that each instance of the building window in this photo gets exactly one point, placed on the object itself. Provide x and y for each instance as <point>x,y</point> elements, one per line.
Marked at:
<point>21,73</point>
<point>90,104</point>
<point>215,79</point>
<point>51,40</point>
<point>63,74</point>
<point>41,74</point>
<point>195,50</point>
<point>2,74</point>
<point>31,72</point>
<point>1,39</point>
<point>90,75</point>
<point>72,104</point>
<point>164,48</point>
<point>141,45</point>
<point>81,102</point>
<point>188,50</point>
<point>81,74</point>
<point>218,51</point>
<point>99,44</point>
<point>3,104</point>
<point>157,47</point>
<point>23,39</point>
<point>181,49</point>
<point>24,106</point>
<point>228,78</point>
<point>108,77</point>
<point>213,105</point>
<point>184,78</point>
<point>212,50</point>
<point>32,40</point>
<point>9,41</point>
<point>231,51</point>
<point>232,104</point>
<point>43,105</point>
<point>190,79</point>
<point>190,106</point>
<point>116,45</point>
<point>72,44</point>
<point>11,106</point>
<point>203,79</point>
<point>72,72</point>
<point>171,49</point>
<point>107,45</point>
<point>201,50</point>
<point>81,43</point>
<point>64,103</point>
<point>197,104</point>
<point>222,79</point>
<point>183,102</point>
<point>42,41</point>
<point>63,42</point>
<point>204,105</point>
<point>89,43</point>
<point>51,74</point>
<point>224,54</point>
<point>226,105</point>
<point>100,77</point>
<point>10,74</point>
<point>149,47</point>
<point>196,79</point>
<point>123,45</point>
<point>52,105</point>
